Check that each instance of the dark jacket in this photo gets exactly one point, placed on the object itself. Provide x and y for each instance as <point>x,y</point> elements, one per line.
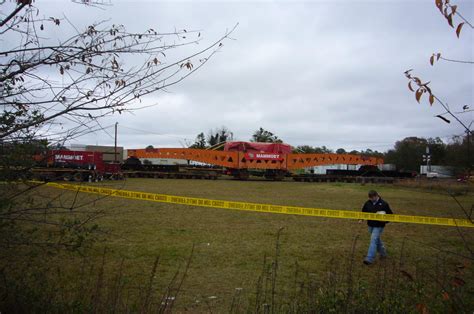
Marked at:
<point>380,205</point>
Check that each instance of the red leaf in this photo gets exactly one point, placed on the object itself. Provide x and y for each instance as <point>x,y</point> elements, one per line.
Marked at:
<point>431,99</point>
<point>458,29</point>
<point>439,4</point>
<point>418,94</point>
<point>409,87</point>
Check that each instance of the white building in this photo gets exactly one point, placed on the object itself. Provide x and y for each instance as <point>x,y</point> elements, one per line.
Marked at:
<point>436,171</point>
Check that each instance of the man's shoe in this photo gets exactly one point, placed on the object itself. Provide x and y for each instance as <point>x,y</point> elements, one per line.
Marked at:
<point>366,262</point>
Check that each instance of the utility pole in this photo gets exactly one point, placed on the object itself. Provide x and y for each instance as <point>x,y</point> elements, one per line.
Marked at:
<point>115,145</point>
<point>468,138</point>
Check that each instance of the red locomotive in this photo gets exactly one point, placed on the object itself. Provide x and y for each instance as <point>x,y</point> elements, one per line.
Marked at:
<point>70,165</point>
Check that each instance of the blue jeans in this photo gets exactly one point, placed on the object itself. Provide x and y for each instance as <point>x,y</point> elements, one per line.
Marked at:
<point>376,244</point>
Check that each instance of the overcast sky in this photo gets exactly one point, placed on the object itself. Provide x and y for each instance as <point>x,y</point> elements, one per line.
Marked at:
<point>312,72</point>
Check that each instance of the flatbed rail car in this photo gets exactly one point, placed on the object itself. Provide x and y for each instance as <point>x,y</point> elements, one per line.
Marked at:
<point>365,174</point>
<point>346,179</point>
<point>182,173</point>
<point>239,159</point>
<point>134,168</point>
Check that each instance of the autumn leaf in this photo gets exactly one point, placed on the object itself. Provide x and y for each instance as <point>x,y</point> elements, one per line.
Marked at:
<point>431,99</point>
<point>432,60</point>
<point>453,9</point>
<point>418,94</point>
<point>438,55</point>
<point>450,20</point>
<point>439,4</point>
<point>61,70</point>
<point>409,87</point>
<point>458,29</point>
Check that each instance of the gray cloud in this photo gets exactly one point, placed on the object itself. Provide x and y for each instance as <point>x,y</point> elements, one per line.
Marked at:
<point>317,72</point>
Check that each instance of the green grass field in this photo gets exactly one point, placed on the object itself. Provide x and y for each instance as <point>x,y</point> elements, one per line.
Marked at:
<point>230,246</point>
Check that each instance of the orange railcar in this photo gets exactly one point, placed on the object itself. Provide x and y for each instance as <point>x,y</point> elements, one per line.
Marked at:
<point>239,162</point>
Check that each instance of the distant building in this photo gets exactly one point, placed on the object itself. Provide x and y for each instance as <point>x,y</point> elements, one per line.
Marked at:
<point>77,147</point>
<point>109,152</point>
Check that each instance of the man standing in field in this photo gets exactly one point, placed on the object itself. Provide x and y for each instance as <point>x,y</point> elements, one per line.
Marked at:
<point>375,204</point>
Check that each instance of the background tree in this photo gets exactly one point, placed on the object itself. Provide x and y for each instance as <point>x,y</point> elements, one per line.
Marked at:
<point>371,153</point>
<point>219,135</point>
<point>93,74</point>
<point>58,89</point>
<point>304,149</point>
<point>408,153</point>
<point>307,149</point>
<point>457,152</point>
<point>200,141</point>
<point>264,136</point>
<point>340,151</point>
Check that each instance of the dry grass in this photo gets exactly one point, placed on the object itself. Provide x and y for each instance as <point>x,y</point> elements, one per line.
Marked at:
<point>230,245</point>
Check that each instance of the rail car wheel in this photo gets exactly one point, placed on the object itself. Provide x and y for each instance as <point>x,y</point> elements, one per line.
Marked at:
<point>67,177</point>
<point>77,177</point>
<point>242,175</point>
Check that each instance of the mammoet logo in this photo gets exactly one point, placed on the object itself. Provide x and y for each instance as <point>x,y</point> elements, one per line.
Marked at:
<point>264,156</point>
<point>270,156</point>
<point>67,157</point>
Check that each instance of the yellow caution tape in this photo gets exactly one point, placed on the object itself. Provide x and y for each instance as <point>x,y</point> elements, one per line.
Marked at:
<point>264,208</point>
